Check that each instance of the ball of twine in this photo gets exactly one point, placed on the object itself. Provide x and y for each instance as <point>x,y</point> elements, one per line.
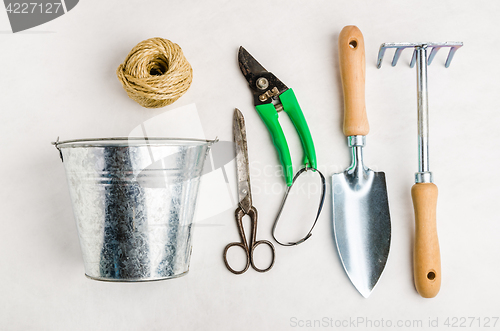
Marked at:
<point>155,73</point>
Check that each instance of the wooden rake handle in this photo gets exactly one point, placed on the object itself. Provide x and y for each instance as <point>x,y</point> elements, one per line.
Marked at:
<point>426,257</point>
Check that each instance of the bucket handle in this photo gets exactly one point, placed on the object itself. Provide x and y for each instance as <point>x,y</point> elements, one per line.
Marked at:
<point>56,145</point>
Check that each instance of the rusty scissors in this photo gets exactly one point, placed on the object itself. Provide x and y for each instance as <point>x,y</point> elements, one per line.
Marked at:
<point>245,200</point>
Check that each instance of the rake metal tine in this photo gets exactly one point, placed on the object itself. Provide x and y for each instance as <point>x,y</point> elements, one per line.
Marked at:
<point>433,54</point>
<point>435,47</point>
<point>381,53</point>
<point>397,54</point>
<point>413,59</point>
<point>453,50</point>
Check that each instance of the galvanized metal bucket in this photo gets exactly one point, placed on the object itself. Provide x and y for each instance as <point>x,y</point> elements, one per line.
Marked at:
<point>134,201</point>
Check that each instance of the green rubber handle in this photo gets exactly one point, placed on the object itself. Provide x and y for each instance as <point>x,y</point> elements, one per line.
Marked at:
<point>269,116</point>
<point>292,108</point>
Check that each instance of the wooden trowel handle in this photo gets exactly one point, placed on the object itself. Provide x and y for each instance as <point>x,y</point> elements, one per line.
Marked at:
<point>426,257</point>
<point>352,71</point>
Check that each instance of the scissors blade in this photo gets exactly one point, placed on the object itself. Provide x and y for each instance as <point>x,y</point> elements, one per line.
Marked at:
<point>243,168</point>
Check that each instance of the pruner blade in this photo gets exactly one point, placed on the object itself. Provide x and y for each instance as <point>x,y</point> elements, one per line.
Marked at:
<point>265,86</point>
<point>249,66</point>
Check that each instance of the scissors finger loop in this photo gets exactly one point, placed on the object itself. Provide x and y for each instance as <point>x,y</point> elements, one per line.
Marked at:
<point>273,252</point>
<point>237,272</point>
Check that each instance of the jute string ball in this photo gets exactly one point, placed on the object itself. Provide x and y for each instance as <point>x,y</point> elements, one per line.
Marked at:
<point>155,73</point>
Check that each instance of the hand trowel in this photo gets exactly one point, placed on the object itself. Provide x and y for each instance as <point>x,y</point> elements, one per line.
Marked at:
<point>361,220</point>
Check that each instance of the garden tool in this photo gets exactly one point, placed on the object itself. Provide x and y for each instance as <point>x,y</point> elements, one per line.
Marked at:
<point>361,220</point>
<point>245,206</point>
<point>272,96</point>
<point>426,256</point>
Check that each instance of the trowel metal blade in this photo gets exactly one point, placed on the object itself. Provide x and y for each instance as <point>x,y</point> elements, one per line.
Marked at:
<point>362,226</point>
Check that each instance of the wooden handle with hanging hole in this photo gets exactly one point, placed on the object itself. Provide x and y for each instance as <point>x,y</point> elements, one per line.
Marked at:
<point>426,257</point>
<point>352,71</point>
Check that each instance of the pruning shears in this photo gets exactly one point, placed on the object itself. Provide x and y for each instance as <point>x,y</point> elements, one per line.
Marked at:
<point>272,96</point>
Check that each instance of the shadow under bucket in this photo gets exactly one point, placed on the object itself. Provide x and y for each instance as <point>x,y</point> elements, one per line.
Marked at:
<point>134,201</point>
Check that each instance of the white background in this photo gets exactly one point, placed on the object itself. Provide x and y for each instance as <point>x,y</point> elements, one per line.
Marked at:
<point>59,79</point>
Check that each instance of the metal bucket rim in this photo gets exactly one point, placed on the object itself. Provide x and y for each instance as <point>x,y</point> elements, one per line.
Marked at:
<point>129,141</point>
